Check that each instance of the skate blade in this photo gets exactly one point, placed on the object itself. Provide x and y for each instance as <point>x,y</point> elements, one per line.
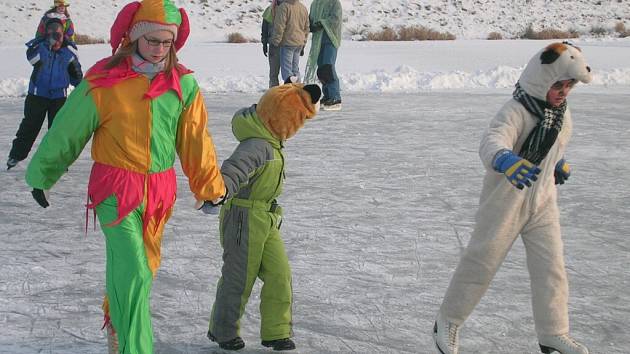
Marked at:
<point>336,107</point>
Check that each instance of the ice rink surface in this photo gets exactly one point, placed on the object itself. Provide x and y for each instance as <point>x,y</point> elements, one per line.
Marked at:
<point>379,202</point>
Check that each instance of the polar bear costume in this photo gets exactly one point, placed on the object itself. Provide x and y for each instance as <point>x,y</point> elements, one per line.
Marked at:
<point>506,212</point>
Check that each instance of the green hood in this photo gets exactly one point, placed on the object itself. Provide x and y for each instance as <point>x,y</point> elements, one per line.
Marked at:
<point>246,125</point>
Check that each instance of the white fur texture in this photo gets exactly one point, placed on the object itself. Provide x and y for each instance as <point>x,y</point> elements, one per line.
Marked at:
<point>537,78</point>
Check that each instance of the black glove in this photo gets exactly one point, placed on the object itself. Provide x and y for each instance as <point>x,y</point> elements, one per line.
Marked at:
<point>265,49</point>
<point>212,207</point>
<point>40,197</point>
<point>302,52</point>
<point>317,26</point>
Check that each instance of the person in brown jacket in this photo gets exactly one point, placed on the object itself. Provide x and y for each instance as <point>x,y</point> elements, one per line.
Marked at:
<point>290,32</point>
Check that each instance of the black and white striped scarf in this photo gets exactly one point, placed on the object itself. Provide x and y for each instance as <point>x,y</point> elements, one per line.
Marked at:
<point>543,136</point>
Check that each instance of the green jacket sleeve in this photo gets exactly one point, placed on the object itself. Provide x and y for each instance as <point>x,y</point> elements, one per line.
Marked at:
<point>71,130</point>
<point>332,23</point>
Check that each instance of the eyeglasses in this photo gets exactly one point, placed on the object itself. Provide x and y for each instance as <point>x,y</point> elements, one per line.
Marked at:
<point>156,42</point>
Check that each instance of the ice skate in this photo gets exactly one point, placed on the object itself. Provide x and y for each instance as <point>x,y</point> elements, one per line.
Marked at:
<point>332,105</point>
<point>562,344</point>
<point>236,343</point>
<point>11,162</point>
<point>279,344</point>
<point>446,336</point>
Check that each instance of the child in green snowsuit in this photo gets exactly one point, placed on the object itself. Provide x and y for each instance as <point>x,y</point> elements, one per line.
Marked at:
<point>250,219</point>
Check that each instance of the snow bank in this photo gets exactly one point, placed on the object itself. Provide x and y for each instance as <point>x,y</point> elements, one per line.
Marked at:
<point>402,79</point>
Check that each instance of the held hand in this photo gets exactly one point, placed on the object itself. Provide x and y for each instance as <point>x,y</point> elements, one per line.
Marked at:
<point>520,172</point>
<point>212,207</point>
<point>41,197</point>
<point>265,49</point>
<point>562,172</point>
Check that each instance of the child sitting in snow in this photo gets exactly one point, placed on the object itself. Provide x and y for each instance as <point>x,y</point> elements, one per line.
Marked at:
<point>523,147</point>
<point>250,219</point>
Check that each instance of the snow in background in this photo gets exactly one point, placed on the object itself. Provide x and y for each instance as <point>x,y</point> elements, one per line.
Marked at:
<point>362,66</point>
<point>379,199</point>
<point>212,20</point>
<point>366,66</point>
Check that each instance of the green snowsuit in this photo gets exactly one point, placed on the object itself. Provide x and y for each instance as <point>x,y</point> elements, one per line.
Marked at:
<point>250,234</point>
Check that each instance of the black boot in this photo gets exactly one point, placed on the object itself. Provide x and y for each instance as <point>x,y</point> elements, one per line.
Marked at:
<point>232,344</point>
<point>279,344</point>
<point>11,162</point>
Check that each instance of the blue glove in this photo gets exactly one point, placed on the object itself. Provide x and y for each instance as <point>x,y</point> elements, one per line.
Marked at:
<point>562,172</point>
<point>519,172</point>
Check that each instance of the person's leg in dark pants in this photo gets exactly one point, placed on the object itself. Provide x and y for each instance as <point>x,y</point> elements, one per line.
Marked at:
<point>35,109</point>
<point>53,108</point>
<point>330,84</point>
<point>274,65</point>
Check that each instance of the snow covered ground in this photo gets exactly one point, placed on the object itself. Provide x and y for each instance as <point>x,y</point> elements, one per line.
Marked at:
<point>467,19</point>
<point>379,201</point>
<point>366,66</point>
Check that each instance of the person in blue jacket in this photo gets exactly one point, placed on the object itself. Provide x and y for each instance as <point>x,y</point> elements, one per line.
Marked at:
<point>55,67</point>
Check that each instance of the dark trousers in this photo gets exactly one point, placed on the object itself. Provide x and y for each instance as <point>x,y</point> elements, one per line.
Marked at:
<point>35,110</point>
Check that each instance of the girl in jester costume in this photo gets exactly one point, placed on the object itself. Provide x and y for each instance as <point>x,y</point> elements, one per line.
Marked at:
<point>250,220</point>
<point>143,108</point>
<point>325,20</point>
<point>523,152</point>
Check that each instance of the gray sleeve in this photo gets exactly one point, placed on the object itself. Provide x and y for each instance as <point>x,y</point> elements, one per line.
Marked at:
<point>248,157</point>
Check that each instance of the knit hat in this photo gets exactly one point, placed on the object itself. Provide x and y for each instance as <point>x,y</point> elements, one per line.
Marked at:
<point>556,62</point>
<point>139,18</point>
<point>284,109</point>
<point>52,21</point>
<point>60,3</point>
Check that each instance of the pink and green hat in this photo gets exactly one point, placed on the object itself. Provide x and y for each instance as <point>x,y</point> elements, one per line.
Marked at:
<point>139,18</point>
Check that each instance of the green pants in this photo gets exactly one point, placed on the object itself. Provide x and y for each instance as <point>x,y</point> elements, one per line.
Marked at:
<point>132,259</point>
<point>252,248</point>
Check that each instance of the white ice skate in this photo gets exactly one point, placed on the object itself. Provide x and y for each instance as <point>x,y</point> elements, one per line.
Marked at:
<point>446,336</point>
<point>112,339</point>
<point>332,105</point>
<point>562,344</point>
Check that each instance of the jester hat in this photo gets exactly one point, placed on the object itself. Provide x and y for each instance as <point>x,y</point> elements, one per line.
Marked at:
<point>141,17</point>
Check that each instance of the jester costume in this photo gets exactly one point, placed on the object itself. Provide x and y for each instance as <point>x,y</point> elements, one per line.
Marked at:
<point>138,126</point>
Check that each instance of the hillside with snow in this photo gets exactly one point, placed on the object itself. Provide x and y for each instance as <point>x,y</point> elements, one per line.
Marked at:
<point>363,66</point>
<point>466,19</point>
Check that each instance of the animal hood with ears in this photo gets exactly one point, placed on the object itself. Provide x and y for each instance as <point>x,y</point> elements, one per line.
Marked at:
<point>284,109</point>
<point>555,62</point>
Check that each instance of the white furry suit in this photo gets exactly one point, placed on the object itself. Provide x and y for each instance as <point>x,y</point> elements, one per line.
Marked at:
<point>506,212</point>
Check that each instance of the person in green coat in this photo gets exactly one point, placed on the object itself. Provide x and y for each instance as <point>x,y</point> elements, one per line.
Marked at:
<point>325,20</point>
<point>250,219</point>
